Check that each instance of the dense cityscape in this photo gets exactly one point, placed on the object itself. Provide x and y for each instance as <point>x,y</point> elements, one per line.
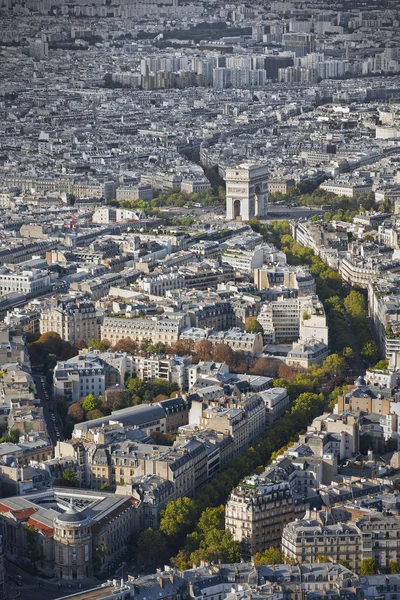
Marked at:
<point>199,300</point>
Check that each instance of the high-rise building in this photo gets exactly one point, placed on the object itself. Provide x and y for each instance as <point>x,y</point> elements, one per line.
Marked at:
<point>299,43</point>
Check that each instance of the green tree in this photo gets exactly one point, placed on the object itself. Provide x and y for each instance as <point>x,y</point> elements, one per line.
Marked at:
<point>368,567</point>
<point>151,547</point>
<point>91,402</point>
<point>218,546</point>
<point>101,345</point>
<point>369,352</point>
<point>345,563</point>
<point>254,326</point>
<point>335,365</point>
<point>270,556</point>
<point>394,567</point>
<point>69,478</point>
<point>178,517</point>
<point>211,519</point>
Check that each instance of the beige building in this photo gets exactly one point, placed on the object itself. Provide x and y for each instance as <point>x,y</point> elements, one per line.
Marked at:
<point>165,328</point>
<point>257,511</point>
<point>303,541</point>
<point>250,343</point>
<point>74,320</point>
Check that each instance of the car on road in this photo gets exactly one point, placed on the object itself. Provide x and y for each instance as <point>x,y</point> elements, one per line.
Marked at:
<point>53,418</point>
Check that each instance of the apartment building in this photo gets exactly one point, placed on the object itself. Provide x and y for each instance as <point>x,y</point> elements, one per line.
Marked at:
<point>257,511</point>
<point>303,541</point>
<point>244,260</point>
<point>373,536</point>
<point>156,284</point>
<point>76,378</point>
<point>165,328</point>
<point>29,282</point>
<point>297,278</point>
<point>72,320</point>
<point>346,188</point>
<point>250,343</point>
<point>288,319</point>
<point>384,311</point>
<point>243,420</point>
<point>119,463</point>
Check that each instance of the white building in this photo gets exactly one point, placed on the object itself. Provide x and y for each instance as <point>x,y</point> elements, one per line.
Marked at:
<point>33,282</point>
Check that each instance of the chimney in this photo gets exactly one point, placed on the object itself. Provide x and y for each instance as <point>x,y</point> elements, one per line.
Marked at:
<point>160,581</point>
<point>172,578</point>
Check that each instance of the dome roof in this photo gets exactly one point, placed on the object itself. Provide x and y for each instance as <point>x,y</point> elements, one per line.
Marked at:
<point>72,515</point>
<point>360,381</point>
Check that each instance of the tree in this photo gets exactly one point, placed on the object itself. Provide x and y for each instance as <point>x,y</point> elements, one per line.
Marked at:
<point>271,556</point>
<point>91,402</point>
<point>218,546</point>
<point>126,345</point>
<point>183,348</point>
<point>101,345</point>
<point>76,412</point>
<point>255,326</point>
<point>204,350</point>
<point>355,304</point>
<point>288,372</point>
<point>369,352</point>
<point>94,414</point>
<point>335,365</point>
<point>267,367</point>
<point>348,354</point>
<point>69,478</point>
<point>345,563</point>
<point>224,354</point>
<point>80,344</point>
<point>151,547</point>
<point>14,436</point>
<point>394,567</point>
<point>320,558</point>
<point>178,517</point>
<point>368,567</point>
<point>212,518</point>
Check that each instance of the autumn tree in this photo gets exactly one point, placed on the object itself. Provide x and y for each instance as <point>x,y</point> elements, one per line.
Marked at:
<point>224,354</point>
<point>126,345</point>
<point>267,367</point>
<point>183,348</point>
<point>94,414</point>
<point>288,372</point>
<point>76,413</point>
<point>204,350</point>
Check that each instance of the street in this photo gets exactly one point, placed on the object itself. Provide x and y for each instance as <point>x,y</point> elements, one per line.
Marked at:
<point>53,424</point>
<point>19,584</point>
